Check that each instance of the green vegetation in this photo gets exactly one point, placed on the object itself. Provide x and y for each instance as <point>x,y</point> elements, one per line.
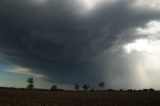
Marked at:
<point>30,83</point>
<point>54,88</point>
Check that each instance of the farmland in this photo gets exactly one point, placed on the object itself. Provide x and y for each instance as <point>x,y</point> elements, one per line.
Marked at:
<point>66,98</point>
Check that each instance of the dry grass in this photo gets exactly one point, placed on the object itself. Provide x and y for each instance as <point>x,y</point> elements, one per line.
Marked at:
<point>48,98</point>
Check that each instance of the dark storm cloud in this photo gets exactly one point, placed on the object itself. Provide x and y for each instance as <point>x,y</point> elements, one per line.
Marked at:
<point>55,40</point>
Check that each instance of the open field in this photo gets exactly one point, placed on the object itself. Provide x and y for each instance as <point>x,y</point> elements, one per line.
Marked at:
<point>49,98</point>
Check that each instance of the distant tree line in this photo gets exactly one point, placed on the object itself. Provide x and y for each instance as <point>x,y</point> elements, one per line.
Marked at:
<point>84,87</point>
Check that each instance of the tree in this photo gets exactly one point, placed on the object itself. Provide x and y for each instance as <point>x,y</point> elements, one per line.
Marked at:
<point>101,85</point>
<point>76,86</point>
<point>85,87</point>
<point>54,87</point>
<point>30,83</point>
<point>151,89</point>
<point>92,90</point>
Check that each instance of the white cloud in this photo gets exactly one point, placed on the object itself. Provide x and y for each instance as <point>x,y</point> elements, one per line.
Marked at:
<point>85,6</point>
<point>25,71</point>
<point>153,27</point>
<point>148,48</point>
<point>147,4</point>
<point>150,43</point>
<point>139,45</point>
<point>90,4</point>
<point>143,45</point>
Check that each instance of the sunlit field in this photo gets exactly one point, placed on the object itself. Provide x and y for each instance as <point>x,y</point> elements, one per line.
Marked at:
<point>66,98</point>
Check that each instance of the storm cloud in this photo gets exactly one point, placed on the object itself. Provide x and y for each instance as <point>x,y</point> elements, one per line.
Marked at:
<point>67,42</point>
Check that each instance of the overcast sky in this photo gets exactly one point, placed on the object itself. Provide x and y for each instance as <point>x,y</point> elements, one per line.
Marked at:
<point>83,41</point>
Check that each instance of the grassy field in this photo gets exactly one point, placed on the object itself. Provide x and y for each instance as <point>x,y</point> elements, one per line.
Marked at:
<point>49,98</point>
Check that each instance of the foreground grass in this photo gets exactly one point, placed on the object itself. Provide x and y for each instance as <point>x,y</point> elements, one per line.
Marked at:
<point>48,98</point>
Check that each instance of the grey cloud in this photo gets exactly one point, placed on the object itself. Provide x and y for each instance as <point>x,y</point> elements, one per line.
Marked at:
<point>57,42</point>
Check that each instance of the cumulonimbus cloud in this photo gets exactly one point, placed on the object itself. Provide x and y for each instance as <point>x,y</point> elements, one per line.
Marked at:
<point>55,39</point>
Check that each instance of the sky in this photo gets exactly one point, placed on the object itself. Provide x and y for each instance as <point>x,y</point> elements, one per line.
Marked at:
<point>84,41</point>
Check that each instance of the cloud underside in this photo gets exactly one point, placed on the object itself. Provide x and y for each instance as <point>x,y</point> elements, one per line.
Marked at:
<point>74,41</point>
